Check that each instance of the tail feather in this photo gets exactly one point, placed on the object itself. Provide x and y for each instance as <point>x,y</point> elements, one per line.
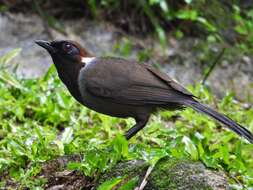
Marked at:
<point>229,123</point>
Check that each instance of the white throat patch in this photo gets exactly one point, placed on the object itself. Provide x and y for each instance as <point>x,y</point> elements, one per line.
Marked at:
<point>87,60</point>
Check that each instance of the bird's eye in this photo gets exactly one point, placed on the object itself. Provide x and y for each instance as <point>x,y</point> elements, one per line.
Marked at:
<point>67,47</point>
<point>70,49</point>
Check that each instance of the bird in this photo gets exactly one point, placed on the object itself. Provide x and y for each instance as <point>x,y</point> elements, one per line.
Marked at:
<point>122,88</point>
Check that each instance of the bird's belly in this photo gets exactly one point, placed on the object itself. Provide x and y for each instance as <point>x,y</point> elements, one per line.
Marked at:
<point>104,106</point>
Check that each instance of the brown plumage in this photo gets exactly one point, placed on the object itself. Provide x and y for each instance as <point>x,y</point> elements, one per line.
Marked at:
<point>122,88</point>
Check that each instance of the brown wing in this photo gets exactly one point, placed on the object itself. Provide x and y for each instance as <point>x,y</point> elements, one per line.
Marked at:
<point>131,83</point>
<point>168,80</point>
<point>138,95</point>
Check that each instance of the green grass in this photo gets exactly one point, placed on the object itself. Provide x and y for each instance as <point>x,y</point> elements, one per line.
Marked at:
<point>34,112</point>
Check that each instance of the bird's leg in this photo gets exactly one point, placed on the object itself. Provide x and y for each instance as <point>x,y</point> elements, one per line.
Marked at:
<point>140,123</point>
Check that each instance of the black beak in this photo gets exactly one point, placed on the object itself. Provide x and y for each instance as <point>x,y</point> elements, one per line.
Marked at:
<point>47,45</point>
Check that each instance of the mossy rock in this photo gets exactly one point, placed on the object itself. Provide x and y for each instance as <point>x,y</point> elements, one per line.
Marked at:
<point>172,174</point>
<point>169,174</point>
<point>134,169</point>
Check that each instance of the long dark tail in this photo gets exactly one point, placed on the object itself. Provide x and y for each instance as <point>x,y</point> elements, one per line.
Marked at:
<point>232,125</point>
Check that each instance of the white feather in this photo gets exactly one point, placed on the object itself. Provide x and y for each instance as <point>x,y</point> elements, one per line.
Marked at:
<point>87,60</point>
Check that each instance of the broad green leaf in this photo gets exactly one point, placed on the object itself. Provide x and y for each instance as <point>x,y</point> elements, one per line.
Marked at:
<point>108,185</point>
<point>9,56</point>
<point>161,35</point>
<point>187,15</point>
<point>190,147</point>
<point>12,81</point>
<point>188,1</point>
<point>130,185</point>
<point>164,6</point>
<point>67,135</point>
<point>120,145</point>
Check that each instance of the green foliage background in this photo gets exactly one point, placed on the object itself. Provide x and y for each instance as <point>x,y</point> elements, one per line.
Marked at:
<point>41,121</point>
<point>215,21</point>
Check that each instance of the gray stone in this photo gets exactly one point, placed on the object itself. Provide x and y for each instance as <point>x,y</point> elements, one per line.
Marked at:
<point>170,174</point>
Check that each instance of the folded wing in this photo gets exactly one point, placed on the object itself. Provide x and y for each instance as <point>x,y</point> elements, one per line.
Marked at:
<point>125,82</point>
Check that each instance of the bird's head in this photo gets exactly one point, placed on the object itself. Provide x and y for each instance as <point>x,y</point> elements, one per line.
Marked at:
<point>64,51</point>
